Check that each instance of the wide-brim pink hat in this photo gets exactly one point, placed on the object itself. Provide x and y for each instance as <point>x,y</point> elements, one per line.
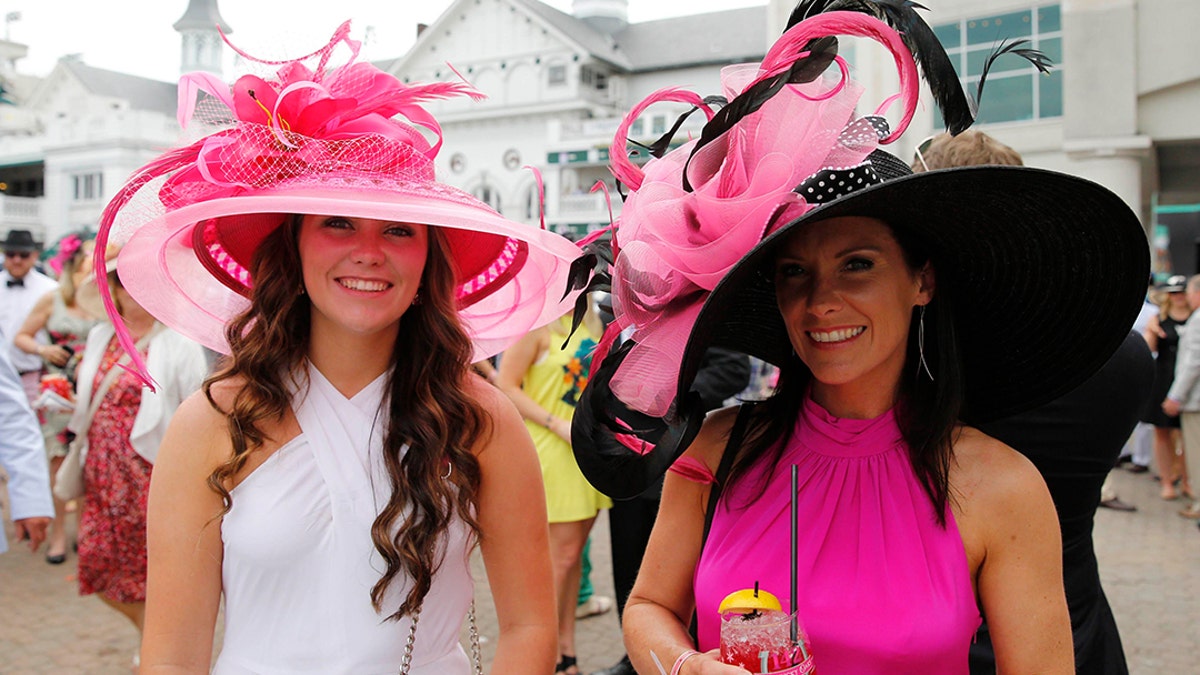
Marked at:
<point>349,141</point>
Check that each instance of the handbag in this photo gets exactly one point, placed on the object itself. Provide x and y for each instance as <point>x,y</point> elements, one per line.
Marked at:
<point>68,480</point>
<point>476,654</point>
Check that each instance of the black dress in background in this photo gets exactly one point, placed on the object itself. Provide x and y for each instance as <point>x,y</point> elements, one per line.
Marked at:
<point>1074,441</point>
<point>1164,375</point>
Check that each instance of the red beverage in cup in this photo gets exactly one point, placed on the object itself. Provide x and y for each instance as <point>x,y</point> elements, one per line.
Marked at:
<point>756,634</point>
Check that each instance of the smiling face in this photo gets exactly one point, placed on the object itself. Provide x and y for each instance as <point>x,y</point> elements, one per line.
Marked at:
<point>847,294</point>
<point>360,274</point>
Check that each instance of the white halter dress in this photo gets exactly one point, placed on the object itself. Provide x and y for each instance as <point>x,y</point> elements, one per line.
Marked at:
<point>299,562</point>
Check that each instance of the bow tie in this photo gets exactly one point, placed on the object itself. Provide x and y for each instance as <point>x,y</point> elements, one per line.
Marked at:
<point>15,282</point>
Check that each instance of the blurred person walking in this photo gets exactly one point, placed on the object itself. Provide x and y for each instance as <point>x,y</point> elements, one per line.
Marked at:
<point>24,460</point>
<point>20,288</point>
<point>1183,398</point>
<point>124,423</point>
<point>1162,334</point>
<point>57,315</point>
<point>543,374</point>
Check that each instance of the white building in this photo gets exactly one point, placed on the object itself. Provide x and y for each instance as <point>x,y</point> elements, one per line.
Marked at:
<point>75,135</point>
<point>558,85</point>
<point>1120,107</point>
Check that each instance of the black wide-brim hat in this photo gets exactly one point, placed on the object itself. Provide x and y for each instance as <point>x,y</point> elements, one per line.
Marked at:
<point>1047,273</point>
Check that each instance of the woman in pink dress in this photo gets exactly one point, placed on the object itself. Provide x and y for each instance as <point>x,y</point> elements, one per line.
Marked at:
<point>901,310</point>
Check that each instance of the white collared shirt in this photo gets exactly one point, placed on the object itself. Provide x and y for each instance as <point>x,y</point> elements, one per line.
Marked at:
<point>15,305</point>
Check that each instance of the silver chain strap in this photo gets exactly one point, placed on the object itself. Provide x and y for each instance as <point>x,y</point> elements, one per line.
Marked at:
<point>476,654</point>
<point>406,662</point>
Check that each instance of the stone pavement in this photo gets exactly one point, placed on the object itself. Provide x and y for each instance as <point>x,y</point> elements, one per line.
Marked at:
<point>1149,560</point>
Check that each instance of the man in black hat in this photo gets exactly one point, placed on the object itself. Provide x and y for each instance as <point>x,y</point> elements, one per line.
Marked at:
<point>20,288</point>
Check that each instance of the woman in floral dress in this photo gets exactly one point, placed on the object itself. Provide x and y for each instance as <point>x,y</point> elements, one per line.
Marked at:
<point>122,442</point>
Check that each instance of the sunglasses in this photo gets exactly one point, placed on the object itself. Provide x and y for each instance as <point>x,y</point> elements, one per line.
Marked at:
<point>922,148</point>
<point>18,254</point>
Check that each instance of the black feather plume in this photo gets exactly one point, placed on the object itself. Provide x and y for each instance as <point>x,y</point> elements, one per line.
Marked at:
<point>927,51</point>
<point>590,272</point>
<point>1037,58</point>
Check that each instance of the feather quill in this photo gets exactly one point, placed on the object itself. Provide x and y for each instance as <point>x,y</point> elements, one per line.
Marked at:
<point>957,110</point>
<point>1035,57</point>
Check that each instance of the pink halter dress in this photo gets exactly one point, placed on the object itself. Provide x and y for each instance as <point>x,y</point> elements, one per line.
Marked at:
<point>883,589</point>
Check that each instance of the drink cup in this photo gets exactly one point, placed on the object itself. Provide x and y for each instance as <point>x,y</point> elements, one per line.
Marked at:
<point>760,641</point>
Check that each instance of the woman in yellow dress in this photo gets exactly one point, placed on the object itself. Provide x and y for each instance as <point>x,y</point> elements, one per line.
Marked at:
<point>543,374</point>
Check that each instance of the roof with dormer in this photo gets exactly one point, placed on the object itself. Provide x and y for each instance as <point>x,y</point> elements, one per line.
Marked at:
<point>595,42</point>
<point>714,38</point>
<point>730,36</point>
<point>200,15</point>
<point>142,93</point>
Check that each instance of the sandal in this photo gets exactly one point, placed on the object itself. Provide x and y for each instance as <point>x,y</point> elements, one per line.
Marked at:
<point>567,666</point>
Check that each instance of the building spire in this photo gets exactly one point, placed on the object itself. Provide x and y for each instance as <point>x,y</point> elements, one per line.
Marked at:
<point>202,47</point>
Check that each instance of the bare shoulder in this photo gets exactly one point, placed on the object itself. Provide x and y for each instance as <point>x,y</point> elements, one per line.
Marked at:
<point>46,302</point>
<point>198,434</point>
<point>487,395</point>
<point>503,418</point>
<point>991,475</point>
<point>713,437</point>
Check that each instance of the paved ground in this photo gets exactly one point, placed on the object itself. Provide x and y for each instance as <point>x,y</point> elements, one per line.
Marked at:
<point>1150,562</point>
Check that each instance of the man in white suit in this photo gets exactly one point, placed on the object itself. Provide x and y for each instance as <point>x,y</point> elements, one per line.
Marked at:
<point>23,456</point>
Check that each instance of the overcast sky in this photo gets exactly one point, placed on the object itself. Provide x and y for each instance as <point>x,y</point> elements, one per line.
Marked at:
<point>135,36</point>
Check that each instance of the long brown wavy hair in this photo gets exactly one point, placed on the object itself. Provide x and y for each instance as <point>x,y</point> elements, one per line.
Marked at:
<point>437,420</point>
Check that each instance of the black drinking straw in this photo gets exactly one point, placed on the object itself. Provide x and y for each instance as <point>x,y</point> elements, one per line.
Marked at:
<point>795,628</point>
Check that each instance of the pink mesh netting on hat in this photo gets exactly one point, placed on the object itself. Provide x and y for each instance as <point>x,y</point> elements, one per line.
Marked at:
<point>348,140</point>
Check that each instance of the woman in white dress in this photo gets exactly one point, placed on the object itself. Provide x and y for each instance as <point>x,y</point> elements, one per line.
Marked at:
<point>343,461</point>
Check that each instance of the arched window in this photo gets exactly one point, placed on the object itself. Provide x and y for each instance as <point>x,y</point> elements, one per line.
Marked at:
<point>488,194</point>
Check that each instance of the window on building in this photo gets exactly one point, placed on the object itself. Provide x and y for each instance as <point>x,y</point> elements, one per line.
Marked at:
<point>658,125</point>
<point>88,186</point>
<point>557,74</point>
<point>590,77</point>
<point>1014,91</point>
<point>488,194</point>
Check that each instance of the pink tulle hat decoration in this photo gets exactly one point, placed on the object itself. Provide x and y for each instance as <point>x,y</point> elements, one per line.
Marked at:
<point>691,216</point>
<point>312,138</point>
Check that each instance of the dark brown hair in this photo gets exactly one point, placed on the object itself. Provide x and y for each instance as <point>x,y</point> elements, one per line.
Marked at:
<point>927,411</point>
<point>436,479</point>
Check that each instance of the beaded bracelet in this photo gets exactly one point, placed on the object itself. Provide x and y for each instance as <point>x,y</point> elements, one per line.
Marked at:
<point>675,669</point>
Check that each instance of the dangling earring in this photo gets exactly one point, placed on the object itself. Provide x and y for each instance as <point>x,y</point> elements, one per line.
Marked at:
<point>416,298</point>
<point>300,291</point>
<point>924,365</point>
